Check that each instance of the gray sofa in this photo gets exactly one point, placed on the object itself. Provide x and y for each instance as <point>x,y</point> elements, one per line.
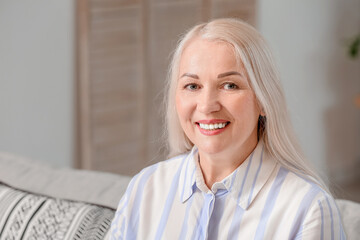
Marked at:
<point>42,202</point>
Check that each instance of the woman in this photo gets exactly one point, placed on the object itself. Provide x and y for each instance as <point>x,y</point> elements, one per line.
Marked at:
<point>236,170</point>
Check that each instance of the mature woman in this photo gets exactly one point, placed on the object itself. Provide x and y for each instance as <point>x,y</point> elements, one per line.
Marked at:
<point>236,170</point>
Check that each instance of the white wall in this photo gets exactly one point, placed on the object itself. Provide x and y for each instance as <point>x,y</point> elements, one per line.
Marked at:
<point>309,38</point>
<point>37,79</point>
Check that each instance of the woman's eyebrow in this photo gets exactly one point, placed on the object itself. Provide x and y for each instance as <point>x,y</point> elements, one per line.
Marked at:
<point>221,75</point>
<point>190,75</point>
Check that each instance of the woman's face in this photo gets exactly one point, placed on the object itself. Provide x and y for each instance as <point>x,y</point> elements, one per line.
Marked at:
<point>216,107</point>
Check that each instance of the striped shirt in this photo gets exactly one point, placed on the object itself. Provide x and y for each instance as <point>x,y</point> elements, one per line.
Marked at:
<point>259,200</point>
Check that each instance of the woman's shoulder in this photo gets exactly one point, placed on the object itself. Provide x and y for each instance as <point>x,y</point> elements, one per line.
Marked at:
<point>296,184</point>
<point>287,182</point>
<point>301,202</point>
<point>314,207</point>
<point>305,194</point>
<point>295,191</point>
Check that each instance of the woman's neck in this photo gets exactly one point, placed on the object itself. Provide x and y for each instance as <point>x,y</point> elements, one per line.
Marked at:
<point>216,167</point>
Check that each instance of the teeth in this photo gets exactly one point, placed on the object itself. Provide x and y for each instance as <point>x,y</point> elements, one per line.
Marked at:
<point>212,126</point>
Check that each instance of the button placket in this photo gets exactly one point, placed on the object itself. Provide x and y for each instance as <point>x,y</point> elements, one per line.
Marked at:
<point>209,206</point>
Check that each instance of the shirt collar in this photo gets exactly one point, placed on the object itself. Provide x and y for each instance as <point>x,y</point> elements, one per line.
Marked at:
<point>247,180</point>
<point>243,184</point>
<point>187,176</point>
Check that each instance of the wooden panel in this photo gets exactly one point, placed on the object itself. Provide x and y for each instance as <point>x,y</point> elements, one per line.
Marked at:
<point>123,131</point>
<point>97,5</point>
<point>118,156</point>
<point>244,9</point>
<point>110,118</point>
<point>83,132</point>
<point>168,20</point>
<point>115,84</point>
<point>124,49</point>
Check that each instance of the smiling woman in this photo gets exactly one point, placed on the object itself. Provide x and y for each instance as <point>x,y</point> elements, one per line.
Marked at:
<point>213,89</point>
<point>236,170</point>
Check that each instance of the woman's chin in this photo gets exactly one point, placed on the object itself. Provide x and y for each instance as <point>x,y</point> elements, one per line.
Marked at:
<point>211,147</point>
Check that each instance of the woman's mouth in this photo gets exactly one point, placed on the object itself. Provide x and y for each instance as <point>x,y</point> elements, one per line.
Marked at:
<point>214,128</point>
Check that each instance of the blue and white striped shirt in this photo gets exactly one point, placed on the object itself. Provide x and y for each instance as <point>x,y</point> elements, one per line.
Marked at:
<point>259,200</point>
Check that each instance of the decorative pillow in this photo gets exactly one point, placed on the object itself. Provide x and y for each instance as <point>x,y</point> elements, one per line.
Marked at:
<point>29,216</point>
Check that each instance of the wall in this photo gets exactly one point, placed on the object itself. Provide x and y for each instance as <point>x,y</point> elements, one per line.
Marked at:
<point>309,40</point>
<point>36,79</point>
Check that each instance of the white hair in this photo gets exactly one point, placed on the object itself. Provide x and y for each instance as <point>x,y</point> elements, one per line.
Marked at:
<point>250,48</point>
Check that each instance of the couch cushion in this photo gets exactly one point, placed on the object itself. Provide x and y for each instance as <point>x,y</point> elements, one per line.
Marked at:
<point>29,216</point>
<point>99,188</point>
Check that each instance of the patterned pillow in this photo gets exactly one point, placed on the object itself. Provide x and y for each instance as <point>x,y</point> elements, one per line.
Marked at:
<point>28,216</point>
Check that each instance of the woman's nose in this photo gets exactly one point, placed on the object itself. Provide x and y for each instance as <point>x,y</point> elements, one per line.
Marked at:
<point>208,102</point>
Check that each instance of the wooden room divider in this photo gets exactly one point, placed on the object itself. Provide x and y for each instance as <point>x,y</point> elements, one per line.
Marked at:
<point>123,51</point>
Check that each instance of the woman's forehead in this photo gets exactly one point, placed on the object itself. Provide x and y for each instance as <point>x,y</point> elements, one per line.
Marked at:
<point>212,53</point>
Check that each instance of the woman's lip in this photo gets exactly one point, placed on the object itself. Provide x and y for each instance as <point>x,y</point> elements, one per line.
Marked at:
<point>209,132</point>
<point>212,121</point>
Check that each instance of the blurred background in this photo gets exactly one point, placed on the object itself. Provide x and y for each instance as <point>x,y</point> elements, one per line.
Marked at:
<point>82,82</point>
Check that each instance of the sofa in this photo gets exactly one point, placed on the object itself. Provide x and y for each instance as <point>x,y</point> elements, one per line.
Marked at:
<point>38,201</point>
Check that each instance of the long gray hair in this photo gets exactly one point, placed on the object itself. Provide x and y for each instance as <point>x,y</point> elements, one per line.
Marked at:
<point>251,49</point>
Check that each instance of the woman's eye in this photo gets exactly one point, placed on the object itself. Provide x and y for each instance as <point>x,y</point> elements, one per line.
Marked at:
<point>192,87</point>
<point>230,86</point>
